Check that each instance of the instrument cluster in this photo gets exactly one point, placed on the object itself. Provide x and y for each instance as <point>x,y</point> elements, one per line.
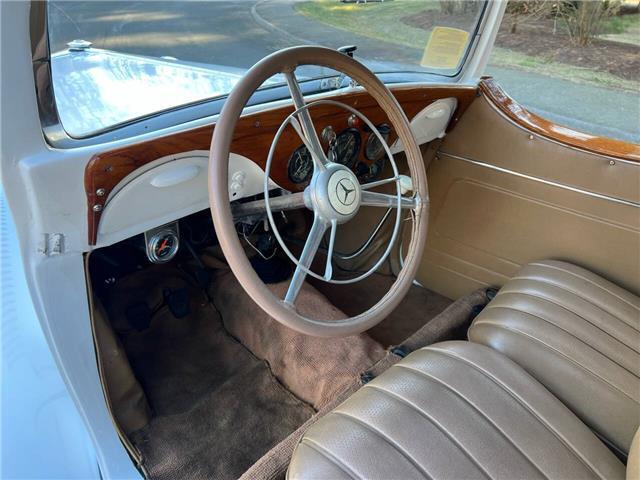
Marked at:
<point>356,147</point>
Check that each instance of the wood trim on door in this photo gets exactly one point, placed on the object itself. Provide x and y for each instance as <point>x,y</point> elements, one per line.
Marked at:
<point>559,133</point>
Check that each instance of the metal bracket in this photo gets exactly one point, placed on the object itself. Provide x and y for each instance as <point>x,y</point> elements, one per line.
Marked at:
<point>51,244</point>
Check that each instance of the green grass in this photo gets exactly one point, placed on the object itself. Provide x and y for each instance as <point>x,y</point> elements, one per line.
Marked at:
<point>625,28</point>
<point>621,24</point>
<point>375,20</point>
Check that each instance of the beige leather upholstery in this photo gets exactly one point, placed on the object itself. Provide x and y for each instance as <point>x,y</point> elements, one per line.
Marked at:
<point>576,333</point>
<point>633,464</point>
<point>452,410</point>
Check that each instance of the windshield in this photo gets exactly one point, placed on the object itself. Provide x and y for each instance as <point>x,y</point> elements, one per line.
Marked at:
<point>140,58</point>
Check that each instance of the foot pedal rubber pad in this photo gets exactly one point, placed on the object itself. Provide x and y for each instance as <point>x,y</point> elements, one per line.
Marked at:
<point>178,302</point>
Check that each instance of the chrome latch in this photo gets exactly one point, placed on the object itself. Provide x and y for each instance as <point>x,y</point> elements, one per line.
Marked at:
<point>52,244</point>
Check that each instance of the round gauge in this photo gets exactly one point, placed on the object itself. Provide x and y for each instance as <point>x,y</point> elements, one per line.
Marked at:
<point>374,150</point>
<point>346,147</point>
<point>300,166</point>
<point>163,246</point>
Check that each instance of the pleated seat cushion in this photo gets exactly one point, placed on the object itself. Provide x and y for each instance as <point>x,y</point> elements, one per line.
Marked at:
<point>577,334</point>
<point>452,410</point>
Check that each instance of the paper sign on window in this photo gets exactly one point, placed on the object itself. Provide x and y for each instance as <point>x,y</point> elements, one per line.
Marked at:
<point>445,48</point>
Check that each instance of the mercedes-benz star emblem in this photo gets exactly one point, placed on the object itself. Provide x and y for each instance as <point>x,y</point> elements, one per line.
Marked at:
<point>345,192</point>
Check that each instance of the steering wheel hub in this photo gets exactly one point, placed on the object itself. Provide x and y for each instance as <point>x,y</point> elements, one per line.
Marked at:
<point>344,192</point>
<point>334,193</point>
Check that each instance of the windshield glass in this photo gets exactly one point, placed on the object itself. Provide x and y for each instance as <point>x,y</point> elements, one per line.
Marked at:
<point>140,58</point>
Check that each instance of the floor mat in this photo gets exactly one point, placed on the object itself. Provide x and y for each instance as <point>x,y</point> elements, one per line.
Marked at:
<point>315,369</point>
<point>416,309</point>
<point>216,407</point>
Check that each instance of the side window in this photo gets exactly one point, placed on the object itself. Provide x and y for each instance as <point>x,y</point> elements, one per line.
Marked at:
<point>576,63</point>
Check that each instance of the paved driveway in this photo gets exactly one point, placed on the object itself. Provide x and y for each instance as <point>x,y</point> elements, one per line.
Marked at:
<point>219,32</point>
<point>239,33</point>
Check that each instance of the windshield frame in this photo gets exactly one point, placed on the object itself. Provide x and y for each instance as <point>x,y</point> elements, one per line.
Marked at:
<point>199,111</point>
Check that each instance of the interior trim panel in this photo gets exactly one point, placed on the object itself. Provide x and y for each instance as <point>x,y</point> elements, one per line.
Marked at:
<point>542,180</point>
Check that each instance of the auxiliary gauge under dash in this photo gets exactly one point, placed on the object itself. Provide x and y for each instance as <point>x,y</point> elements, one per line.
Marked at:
<point>162,244</point>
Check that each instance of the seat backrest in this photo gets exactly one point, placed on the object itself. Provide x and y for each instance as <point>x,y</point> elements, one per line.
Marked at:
<point>633,462</point>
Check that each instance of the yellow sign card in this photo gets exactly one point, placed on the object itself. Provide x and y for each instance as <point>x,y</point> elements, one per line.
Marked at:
<point>445,48</point>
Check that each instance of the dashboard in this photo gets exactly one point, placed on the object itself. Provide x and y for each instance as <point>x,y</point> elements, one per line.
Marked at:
<point>166,177</point>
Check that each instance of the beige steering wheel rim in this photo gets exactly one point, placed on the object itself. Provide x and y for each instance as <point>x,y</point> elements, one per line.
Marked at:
<point>286,61</point>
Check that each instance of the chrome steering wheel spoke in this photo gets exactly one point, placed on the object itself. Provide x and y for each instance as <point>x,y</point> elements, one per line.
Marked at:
<point>309,251</point>
<point>305,127</point>
<point>288,201</point>
<point>376,199</point>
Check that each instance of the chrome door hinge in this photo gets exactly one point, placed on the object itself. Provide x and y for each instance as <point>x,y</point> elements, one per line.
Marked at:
<point>51,244</point>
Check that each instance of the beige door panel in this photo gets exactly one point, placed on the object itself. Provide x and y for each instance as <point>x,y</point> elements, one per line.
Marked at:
<point>504,200</point>
<point>485,134</point>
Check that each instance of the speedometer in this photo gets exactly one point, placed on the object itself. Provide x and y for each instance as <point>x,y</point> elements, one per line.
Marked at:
<point>346,147</point>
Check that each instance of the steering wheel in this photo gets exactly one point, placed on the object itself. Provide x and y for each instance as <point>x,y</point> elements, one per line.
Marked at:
<point>334,193</point>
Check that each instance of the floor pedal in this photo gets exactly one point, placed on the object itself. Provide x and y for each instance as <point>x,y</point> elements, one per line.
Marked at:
<point>178,302</point>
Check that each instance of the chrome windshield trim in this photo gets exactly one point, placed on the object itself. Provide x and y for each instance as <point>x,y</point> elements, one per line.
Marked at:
<point>621,201</point>
<point>43,81</point>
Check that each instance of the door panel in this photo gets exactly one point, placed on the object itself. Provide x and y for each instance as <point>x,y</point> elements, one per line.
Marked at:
<point>502,196</point>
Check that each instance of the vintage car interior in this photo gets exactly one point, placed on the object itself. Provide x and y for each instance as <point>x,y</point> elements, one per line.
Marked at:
<point>378,280</point>
<point>180,310</point>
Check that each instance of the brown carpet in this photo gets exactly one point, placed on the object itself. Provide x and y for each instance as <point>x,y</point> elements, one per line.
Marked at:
<point>416,309</point>
<point>216,407</point>
<point>273,465</point>
<point>314,369</point>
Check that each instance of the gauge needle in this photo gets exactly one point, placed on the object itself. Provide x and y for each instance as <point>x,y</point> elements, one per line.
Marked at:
<point>164,244</point>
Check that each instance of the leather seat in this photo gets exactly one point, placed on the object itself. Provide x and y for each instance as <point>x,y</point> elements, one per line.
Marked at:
<point>452,410</point>
<point>577,334</point>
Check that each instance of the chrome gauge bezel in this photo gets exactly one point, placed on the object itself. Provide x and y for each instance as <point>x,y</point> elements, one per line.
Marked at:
<point>385,132</point>
<point>353,159</point>
<point>301,150</point>
<point>153,239</point>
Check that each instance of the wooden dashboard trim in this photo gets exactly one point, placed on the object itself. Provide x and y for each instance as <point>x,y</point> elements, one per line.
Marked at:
<point>254,133</point>
<point>545,128</point>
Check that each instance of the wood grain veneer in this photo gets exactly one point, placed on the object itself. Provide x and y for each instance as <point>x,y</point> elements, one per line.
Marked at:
<point>254,134</point>
<point>559,133</point>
